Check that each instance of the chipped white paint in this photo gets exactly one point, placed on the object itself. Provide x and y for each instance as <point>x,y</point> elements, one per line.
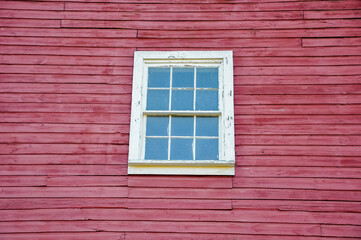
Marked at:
<point>221,59</point>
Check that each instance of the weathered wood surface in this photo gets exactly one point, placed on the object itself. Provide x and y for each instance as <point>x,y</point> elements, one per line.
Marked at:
<point>65,93</point>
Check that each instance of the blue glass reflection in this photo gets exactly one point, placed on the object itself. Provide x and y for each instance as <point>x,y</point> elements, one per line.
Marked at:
<point>158,100</point>
<point>156,149</point>
<point>182,126</point>
<point>183,77</point>
<point>157,126</point>
<point>158,77</point>
<point>181,149</point>
<point>207,77</point>
<point>182,100</point>
<point>207,100</point>
<point>207,126</point>
<point>207,149</point>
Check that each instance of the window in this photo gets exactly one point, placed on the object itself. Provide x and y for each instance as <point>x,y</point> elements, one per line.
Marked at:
<point>182,114</point>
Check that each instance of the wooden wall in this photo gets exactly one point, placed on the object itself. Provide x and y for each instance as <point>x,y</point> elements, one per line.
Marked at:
<point>65,83</point>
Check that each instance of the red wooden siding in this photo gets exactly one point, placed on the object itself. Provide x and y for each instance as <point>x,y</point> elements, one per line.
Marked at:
<point>65,93</point>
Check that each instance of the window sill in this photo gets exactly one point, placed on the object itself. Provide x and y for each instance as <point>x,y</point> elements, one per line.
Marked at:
<point>154,167</point>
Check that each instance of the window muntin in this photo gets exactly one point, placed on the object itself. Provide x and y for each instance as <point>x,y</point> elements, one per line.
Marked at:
<point>182,114</point>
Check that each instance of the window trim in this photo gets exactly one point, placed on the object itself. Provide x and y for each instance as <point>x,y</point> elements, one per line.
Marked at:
<point>224,166</point>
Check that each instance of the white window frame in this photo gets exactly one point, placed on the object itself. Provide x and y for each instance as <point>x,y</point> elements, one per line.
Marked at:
<point>142,60</point>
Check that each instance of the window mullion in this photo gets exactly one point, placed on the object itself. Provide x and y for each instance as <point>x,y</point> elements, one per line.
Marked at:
<point>194,137</point>
<point>170,88</point>
<point>194,117</point>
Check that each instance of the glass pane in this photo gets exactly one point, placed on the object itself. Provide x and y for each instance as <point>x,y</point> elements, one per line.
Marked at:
<point>156,149</point>
<point>158,100</point>
<point>207,100</point>
<point>206,149</point>
<point>182,126</point>
<point>157,126</point>
<point>158,77</point>
<point>183,77</point>
<point>181,149</point>
<point>207,126</point>
<point>207,77</point>
<point>182,100</point>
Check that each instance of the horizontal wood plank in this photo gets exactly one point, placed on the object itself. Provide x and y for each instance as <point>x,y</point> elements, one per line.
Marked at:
<point>63,119</point>
<point>117,138</point>
<point>300,120</point>
<point>65,108</point>
<point>141,226</point>
<point>127,61</point>
<point>332,81</point>
<point>66,78</point>
<point>288,89</point>
<point>61,128</point>
<point>214,7</point>
<point>352,151</point>
<point>67,60</point>
<point>305,140</point>
<point>237,193</point>
<point>62,148</point>
<point>61,170</point>
<point>204,25</point>
<point>278,99</point>
<point>108,42</point>
<point>201,204</point>
<point>278,109</point>
<point>122,51</point>
<point>38,23</point>
<point>48,192</point>
<point>116,203</point>
<point>308,206</point>
<point>86,181</point>
<point>249,33</point>
<point>319,51</point>
<point>23,31</point>
<point>264,216</point>
<point>63,202</point>
<point>298,70</point>
<point>65,236</point>
<point>22,181</point>
<point>297,172</point>
<point>323,129</point>
<point>31,5</point>
<point>83,159</point>
<point>341,231</point>
<point>332,14</point>
<point>300,161</point>
<point>297,183</point>
<point>63,50</point>
<point>322,42</point>
<point>149,16</point>
<point>184,182</point>
<point>86,70</point>
<point>192,236</point>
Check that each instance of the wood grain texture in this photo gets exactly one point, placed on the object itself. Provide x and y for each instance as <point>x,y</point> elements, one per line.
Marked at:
<point>65,236</point>
<point>215,7</point>
<point>194,236</point>
<point>161,226</point>
<point>65,93</point>
<point>265,216</point>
